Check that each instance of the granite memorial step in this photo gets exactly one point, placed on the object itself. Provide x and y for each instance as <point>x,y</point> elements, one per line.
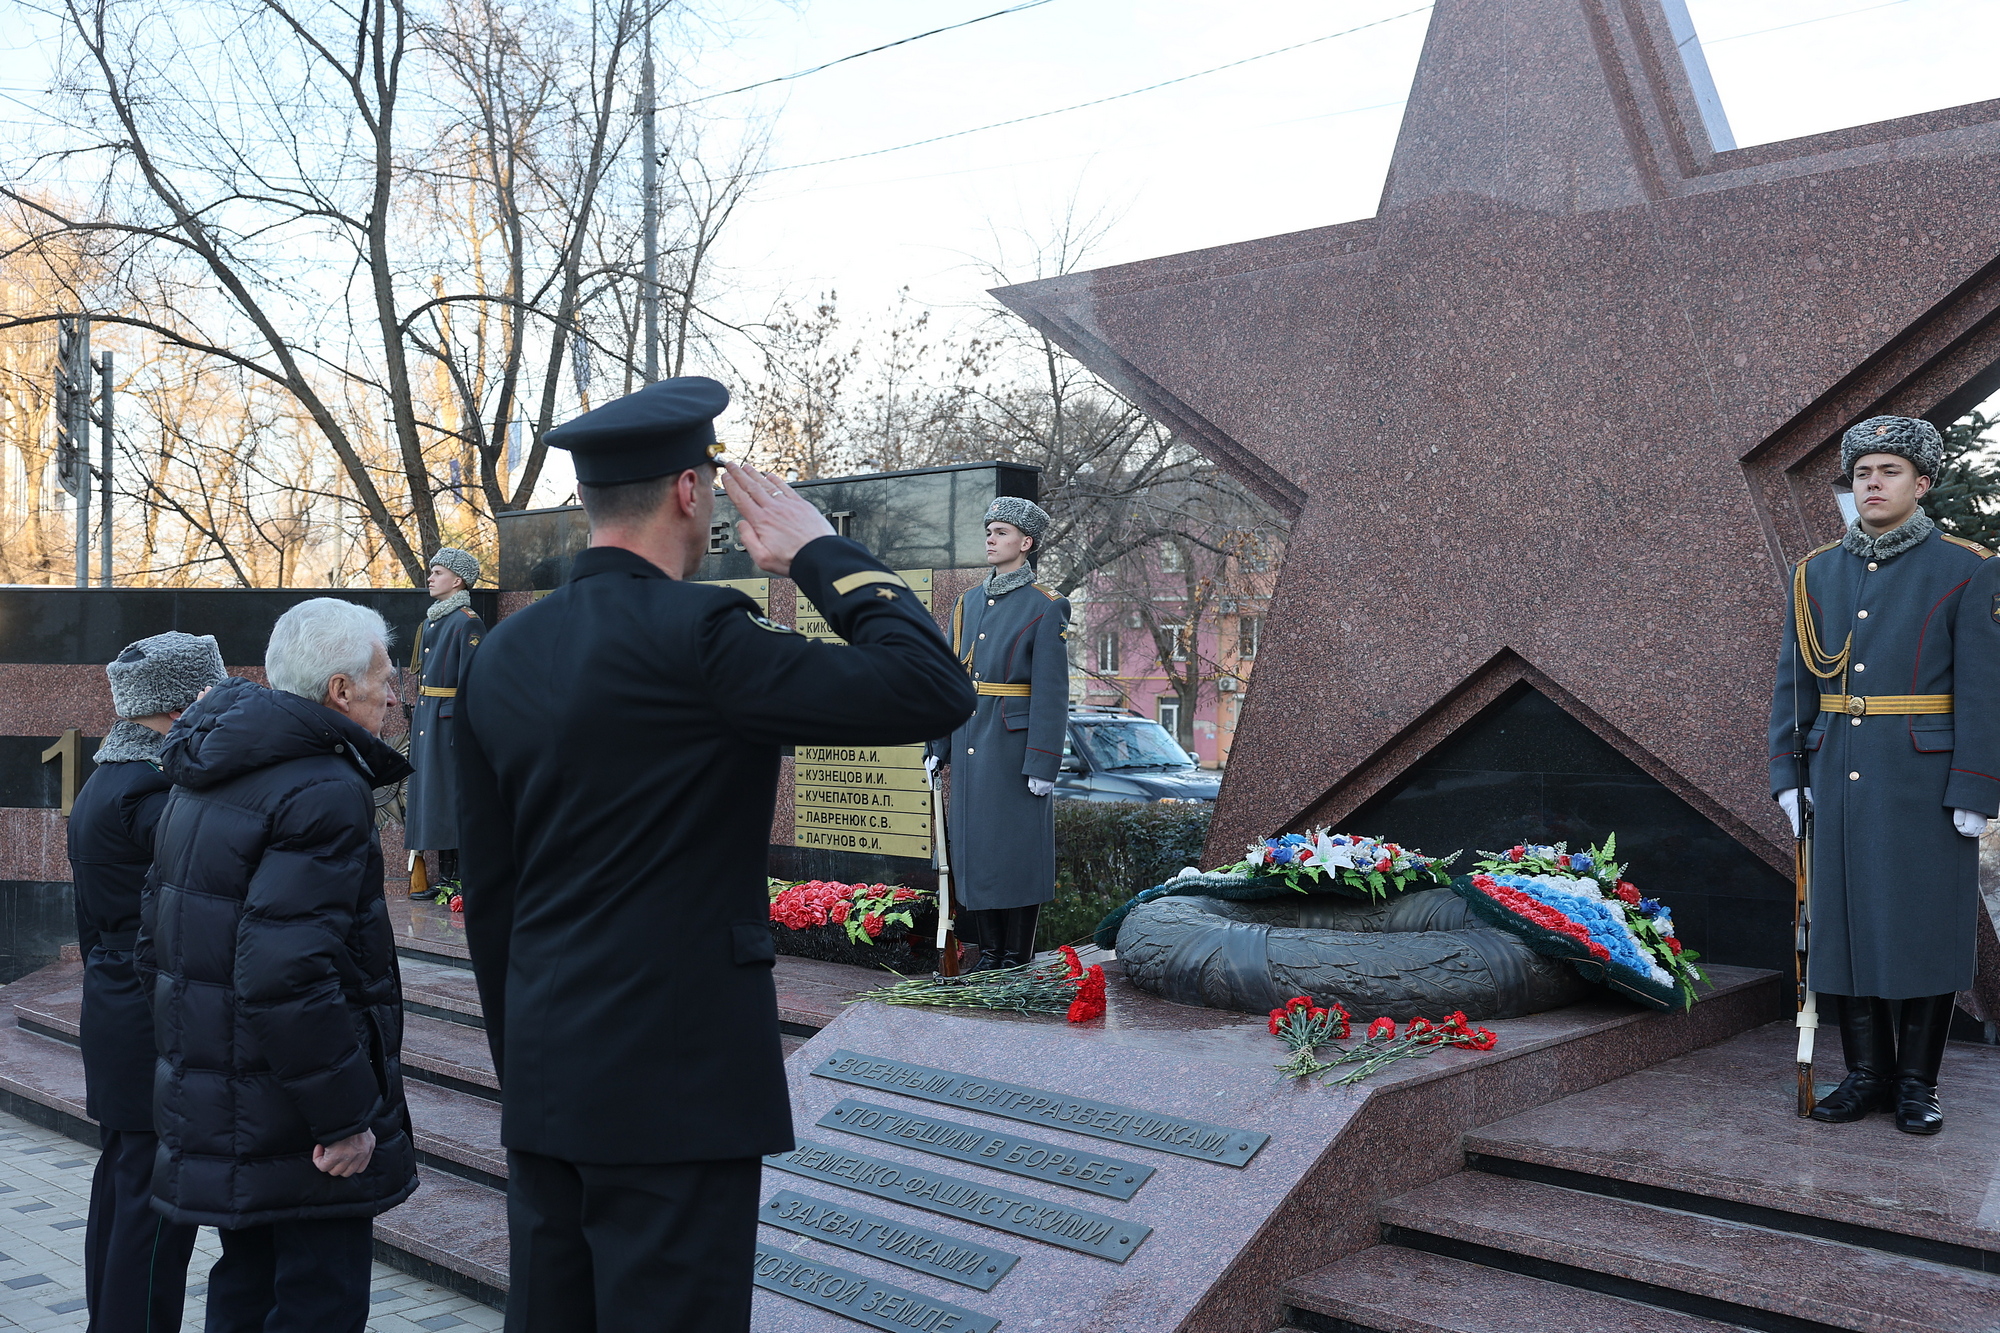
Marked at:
<point>1715,1132</point>
<point>1390,1289</point>
<point>441,990</point>
<point>1732,1272</point>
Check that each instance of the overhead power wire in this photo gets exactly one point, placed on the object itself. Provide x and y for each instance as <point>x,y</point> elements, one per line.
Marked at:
<point>1098,101</point>
<point>886,46</point>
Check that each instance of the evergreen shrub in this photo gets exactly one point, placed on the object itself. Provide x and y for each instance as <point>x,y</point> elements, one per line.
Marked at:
<point>1106,851</point>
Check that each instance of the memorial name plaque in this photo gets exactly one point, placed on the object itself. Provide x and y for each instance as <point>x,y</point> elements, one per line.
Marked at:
<point>1018,1214</point>
<point>1036,1106</point>
<point>954,1260</point>
<point>862,798</point>
<point>1109,1176</point>
<point>877,1304</point>
<point>806,618</point>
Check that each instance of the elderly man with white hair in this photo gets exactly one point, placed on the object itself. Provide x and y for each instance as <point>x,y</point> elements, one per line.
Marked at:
<point>279,1101</point>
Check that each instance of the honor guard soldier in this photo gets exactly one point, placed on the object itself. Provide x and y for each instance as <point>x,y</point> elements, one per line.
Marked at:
<point>452,629</point>
<point>1010,633</point>
<point>1900,785</point>
<point>619,765</point>
<point>135,1261</point>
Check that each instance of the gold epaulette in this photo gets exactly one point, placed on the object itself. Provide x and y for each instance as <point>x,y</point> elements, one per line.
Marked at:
<point>1821,551</point>
<point>1046,591</point>
<point>470,614</point>
<point>1973,547</point>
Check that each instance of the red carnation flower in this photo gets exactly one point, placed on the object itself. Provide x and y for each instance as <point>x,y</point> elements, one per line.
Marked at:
<point>838,913</point>
<point>1563,860</point>
<point>1385,1028</point>
<point>1383,865</point>
<point>1627,892</point>
<point>872,924</point>
<point>1517,853</point>
<point>1672,943</point>
<point>1278,1017</point>
<point>1071,961</point>
<point>458,902</point>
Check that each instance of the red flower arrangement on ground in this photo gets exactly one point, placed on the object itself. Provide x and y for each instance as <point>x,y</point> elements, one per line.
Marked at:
<point>1058,985</point>
<point>1548,918</point>
<point>1305,1027</point>
<point>863,909</point>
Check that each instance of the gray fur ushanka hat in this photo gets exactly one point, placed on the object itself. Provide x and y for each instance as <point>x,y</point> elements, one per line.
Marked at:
<point>1026,515</point>
<point>462,563</point>
<point>164,674</point>
<point>1906,437</point>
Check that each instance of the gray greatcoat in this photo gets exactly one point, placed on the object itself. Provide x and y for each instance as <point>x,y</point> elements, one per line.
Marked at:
<point>430,821</point>
<point>1895,885</point>
<point>1003,837</point>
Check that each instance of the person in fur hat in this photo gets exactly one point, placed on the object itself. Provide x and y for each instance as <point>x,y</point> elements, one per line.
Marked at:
<point>1010,633</point>
<point>452,629</point>
<point>135,1261</point>
<point>1900,785</point>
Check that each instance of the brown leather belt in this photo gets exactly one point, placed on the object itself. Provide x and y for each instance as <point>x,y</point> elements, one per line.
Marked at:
<point>1860,705</point>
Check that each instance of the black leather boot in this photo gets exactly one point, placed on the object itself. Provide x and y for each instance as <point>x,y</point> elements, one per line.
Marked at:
<point>1018,931</point>
<point>1919,1052</point>
<point>982,929</point>
<point>1869,1047</point>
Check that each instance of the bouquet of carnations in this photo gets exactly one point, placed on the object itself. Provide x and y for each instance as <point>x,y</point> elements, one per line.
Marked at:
<point>1320,860</point>
<point>1305,1027</point>
<point>863,909</point>
<point>1580,906</point>
<point>1059,985</point>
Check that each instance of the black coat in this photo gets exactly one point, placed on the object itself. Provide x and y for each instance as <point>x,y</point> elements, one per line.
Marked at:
<point>277,1001</point>
<point>110,851</point>
<point>618,755</point>
<point>444,645</point>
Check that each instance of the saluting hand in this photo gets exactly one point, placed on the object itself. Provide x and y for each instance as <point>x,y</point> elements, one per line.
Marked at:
<point>777,520</point>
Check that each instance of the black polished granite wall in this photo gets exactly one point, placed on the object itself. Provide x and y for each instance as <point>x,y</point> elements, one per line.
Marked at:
<point>36,919</point>
<point>28,781</point>
<point>92,625</point>
<point>924,518</point>
<point>1525,771</point>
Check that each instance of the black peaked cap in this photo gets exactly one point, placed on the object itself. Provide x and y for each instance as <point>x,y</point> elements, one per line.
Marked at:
<point>664,428</point>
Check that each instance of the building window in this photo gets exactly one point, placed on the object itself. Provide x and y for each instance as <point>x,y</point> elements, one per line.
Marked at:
<point>1249,633</point>
<point>1107,653</point>
<point>1169,706</point>
<point>1178,637</point>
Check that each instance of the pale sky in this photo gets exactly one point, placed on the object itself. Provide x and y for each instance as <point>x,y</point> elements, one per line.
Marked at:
<point>1297,140</point>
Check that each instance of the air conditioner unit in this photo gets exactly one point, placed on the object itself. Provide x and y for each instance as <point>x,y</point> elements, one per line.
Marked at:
<point>1228,684</point>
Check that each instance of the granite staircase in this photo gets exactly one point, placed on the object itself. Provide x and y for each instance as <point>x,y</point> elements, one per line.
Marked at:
<point>1689,1199</point>
<point>453,1231</point>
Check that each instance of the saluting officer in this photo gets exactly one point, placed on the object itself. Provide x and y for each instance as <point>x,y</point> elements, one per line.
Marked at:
<point>452,629</point>
<point>1901,784</point>
<point>134,1260</point>
<point>619,763</point>
<point>1010,633</point>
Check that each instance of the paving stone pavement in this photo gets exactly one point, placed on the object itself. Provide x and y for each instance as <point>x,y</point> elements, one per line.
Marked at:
<point>44,1198</point>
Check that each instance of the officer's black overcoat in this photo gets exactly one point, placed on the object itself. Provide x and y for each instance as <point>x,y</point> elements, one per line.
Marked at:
<point>618,755</point>
<point>444,645</point>
<point>110,850</point>
<point>1895,885</point>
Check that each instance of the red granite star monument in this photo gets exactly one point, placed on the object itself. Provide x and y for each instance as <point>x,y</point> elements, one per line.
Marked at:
<point>1565,409</point>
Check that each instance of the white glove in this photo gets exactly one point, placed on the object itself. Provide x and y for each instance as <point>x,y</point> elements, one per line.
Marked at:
<point>1970,822</point>
<point>1788,801</point>
<point>1037,787</point>
<point>931,772</point>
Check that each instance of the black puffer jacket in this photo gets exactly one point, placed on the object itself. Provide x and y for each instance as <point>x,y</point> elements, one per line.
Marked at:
<point>277,1004</point>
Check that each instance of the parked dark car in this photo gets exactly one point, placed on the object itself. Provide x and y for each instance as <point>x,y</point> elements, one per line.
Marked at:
<point>1113,755</point>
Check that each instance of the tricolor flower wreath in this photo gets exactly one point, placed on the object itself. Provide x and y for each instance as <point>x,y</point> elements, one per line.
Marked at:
<point>1579,907</point>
